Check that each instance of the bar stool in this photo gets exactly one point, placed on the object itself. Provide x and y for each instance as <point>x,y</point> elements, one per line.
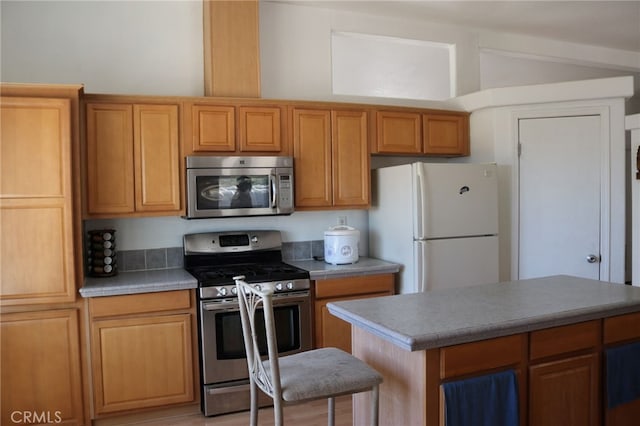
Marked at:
<point>305,376</point>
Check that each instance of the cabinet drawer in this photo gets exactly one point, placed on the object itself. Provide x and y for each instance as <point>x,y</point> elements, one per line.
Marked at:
<point>351,286</point>
<point>560,340</point>
<point>140,303</point>
<point>621,328</point>
<point>485,355</point>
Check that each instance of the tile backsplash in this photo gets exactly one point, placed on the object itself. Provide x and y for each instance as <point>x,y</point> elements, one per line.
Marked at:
<point>171,257</point>
<point>302,250</point>
<point>142,260</point>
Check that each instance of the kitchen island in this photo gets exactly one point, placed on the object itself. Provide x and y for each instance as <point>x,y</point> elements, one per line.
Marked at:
<point>551,331</point>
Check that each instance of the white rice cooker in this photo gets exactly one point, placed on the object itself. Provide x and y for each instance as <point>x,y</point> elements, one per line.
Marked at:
<point>341,245</point>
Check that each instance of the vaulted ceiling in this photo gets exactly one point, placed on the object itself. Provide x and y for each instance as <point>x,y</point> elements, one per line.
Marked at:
<point>611,24</point>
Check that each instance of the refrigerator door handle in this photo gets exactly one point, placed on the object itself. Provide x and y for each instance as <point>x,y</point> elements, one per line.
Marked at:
<point>420,276</point>
<point>420,201</point>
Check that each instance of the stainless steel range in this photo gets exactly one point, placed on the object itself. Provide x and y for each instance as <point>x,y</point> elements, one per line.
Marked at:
<point>214,258</point>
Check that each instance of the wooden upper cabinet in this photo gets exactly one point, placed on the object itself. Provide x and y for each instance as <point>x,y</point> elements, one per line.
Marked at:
<point>312,157</point>
<point>235,128</point>
<point>133,158</point>
<point>331,158</point>
<point>260,129</point>
<point>398,132</point>
<point>36,201</point>
<point>35,148</point>
<point>420,132</point>
<point>110,158</point>
<point>445,134</point>
<point>350,158</point>
<point>213,128</point>
<point>156,157</point>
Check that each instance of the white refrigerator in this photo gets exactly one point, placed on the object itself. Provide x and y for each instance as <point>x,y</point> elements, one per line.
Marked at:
<point>439,221</point>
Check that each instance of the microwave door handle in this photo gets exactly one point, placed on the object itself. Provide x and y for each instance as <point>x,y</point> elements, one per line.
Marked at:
<point>274,190</point>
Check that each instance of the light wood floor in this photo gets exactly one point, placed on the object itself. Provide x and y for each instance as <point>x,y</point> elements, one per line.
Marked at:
<point>310,414</point>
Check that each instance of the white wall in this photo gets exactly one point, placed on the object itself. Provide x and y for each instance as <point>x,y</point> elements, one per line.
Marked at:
<point>132,47</point>
<point>503,69</point>
<point>158,232</point>
<point>155,48</point>
<point>295,47</point>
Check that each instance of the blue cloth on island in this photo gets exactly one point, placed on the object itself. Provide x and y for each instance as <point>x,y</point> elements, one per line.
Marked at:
<point>623,374</point>
<point>490,400</point>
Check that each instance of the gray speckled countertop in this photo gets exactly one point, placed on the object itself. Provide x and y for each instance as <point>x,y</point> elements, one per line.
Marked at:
<point>447,317</point>
<point>138,282</point>
<point>319,270</point>
<point>180,279</point>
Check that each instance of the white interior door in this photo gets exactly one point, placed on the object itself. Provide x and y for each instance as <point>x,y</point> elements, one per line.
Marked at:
<point>559,206</point>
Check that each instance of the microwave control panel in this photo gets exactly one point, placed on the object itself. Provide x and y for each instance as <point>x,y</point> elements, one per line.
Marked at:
<point>285,191</point>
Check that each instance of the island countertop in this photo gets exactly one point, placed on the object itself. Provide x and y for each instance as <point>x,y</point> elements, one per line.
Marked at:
<point>440,318</point>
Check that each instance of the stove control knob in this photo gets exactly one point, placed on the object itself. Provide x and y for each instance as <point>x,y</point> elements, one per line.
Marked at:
<point>290,285</point>
<point>222,291</point>
<point>254,239</point>
<point>279,286</point>
<point>234,291</point>
<point>258,287</point>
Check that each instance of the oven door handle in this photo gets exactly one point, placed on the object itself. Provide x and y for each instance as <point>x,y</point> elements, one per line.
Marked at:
<point>220,306</point>
<point>278,299</point>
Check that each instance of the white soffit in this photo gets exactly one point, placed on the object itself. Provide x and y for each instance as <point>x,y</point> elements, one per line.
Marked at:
<point>600,88</point>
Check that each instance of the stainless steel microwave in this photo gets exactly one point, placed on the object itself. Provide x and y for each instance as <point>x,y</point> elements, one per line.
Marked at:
<point>239,186</point>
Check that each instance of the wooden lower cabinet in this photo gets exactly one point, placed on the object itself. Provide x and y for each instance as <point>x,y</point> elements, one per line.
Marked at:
<point>41,368</point>
<point>330,331</point>
<point>565,392</point>
<point>622,330</point>
<point>559,373</point>
<point>142,351</point>
<point>564,375</point>
<point>479,358</point>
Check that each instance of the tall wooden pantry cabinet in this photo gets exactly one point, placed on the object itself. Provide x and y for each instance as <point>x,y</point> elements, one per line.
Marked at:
<point>40,228</point>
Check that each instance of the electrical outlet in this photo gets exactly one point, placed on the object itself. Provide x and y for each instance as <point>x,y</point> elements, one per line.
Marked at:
<point>342,220</point>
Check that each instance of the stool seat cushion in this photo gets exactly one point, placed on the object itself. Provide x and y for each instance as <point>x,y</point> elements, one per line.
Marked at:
<point>323,372</point>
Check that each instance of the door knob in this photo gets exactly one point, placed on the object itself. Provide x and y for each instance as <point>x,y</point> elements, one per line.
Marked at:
<point>592,258</point>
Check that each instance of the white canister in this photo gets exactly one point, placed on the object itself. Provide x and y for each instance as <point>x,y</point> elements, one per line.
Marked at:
<point>341,245</point>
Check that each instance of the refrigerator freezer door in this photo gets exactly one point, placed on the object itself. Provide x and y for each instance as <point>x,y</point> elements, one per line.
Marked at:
<point>455,200</point>
<point>456,262</point>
